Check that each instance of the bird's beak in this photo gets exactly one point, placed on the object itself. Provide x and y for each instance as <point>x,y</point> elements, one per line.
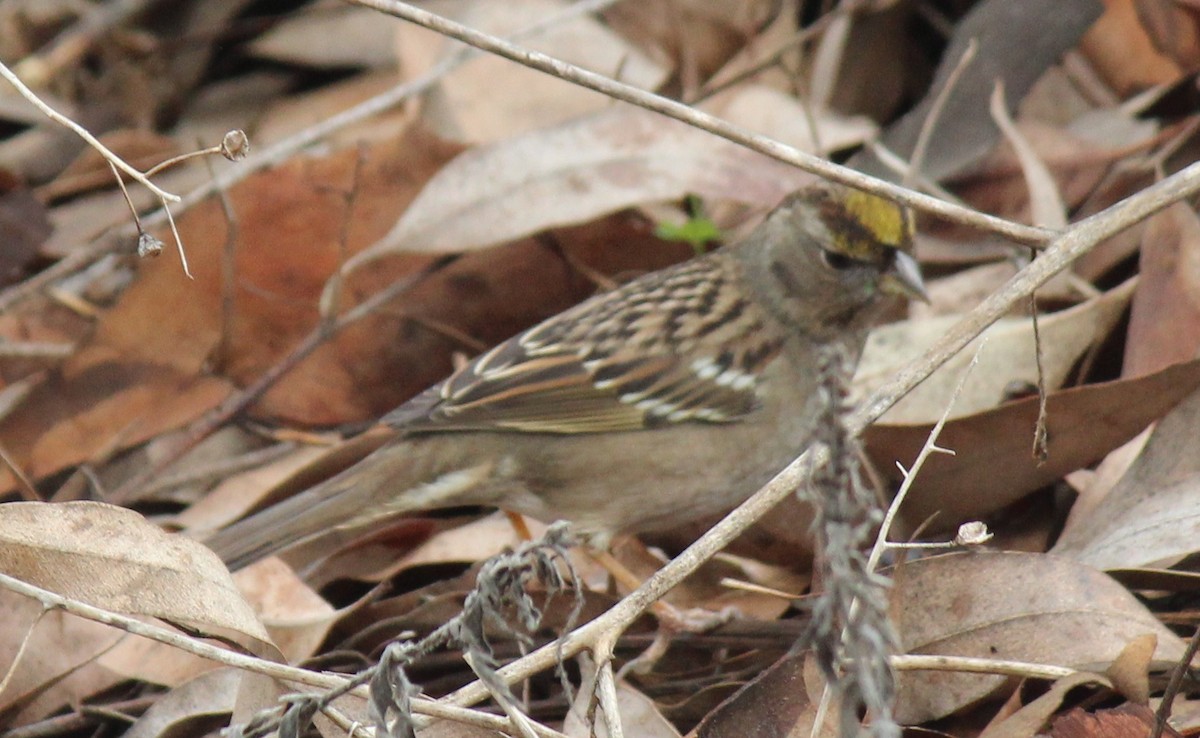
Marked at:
<point>904,279</point>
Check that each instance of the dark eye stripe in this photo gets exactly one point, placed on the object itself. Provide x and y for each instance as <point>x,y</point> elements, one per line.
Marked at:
<point>837,260</point>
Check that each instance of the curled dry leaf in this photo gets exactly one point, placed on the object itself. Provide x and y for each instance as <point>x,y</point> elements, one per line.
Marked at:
<point>576,172</point>
<point>1008,357</point>
<point>204,702</point>
<point>993,467</point>
<point>1164,323</point>
<point>114,559</point>
<point>1030,719</point>
<point>1130,672</point>
<point>1023,607</point>
<point>1152,515</point>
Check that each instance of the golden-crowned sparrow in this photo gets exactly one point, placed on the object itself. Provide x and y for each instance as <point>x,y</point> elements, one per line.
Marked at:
<point>673,397</point>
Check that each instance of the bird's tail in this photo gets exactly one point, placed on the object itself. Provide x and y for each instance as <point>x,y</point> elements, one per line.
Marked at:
<point>384,485</point>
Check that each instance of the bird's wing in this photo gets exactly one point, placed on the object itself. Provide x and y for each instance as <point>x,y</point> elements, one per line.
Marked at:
<point>674,347</point>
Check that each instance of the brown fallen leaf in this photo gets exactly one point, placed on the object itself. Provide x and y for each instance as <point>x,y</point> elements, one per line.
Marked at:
<point>1122,51</point>
<point>993,467</point>
<point>575,172</point>
<point>781,701</point>
<point>149,366</point>
<point>113,558</point>
<point>638,715</point>
<point>1126,721</point>
<point>1130,672</point>
<point>1030,719</point>
<point>201,705</point>
<point>25,225</point>
<point>295,616</point>
<point>59,665</point>
<point>1164,324</point>
<point>491,99</point>
<point>715,32</point>
<point>1024,607</point>
<point>1152,516</point>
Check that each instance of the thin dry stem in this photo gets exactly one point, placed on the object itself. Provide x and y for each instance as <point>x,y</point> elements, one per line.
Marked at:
<point>606,685</point>
<point>910,475</point>
<point>282,672</point>
<point>83,133</point>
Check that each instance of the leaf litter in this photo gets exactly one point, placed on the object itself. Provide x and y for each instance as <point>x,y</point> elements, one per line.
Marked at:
<point>547,202</point>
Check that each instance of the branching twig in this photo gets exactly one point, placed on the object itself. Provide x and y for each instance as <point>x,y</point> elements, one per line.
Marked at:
<point>83,133</point>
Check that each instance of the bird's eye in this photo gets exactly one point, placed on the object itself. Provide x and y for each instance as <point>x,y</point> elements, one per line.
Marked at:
<point>837,260</point>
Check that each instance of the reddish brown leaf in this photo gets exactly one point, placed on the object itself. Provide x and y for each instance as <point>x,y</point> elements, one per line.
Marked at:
<point>1126,721</point>
<point>993,466</point>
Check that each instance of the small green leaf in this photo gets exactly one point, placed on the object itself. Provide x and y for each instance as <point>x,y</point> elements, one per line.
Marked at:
<point>698,230</point>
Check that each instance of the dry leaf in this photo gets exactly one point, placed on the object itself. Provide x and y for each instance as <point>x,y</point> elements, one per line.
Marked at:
<point>1022,607</point>
<point>781,701</point>
<point>715,31</point>
<point>575,172</point>
<point>1130,672</point>
<point>1008,357</point>
<point>1151,516</point>
<point>993,465</point>
<point>1164,325</point>
<point>58,666</point>
<point>329,35</point>
<point>1120,49</point>
<point>784,118</point>
<point>1002,29</point>
<point>114,559</point>
<point>1030,719</point>
<point>1126,721</point>
<point>201,705</point>
<point>638,714</point>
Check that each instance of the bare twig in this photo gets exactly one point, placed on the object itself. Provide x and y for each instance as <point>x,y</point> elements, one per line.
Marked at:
<point>83,133</point>
<point>197,647</point>
<point>968,665</point>
<point>910,475</point>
